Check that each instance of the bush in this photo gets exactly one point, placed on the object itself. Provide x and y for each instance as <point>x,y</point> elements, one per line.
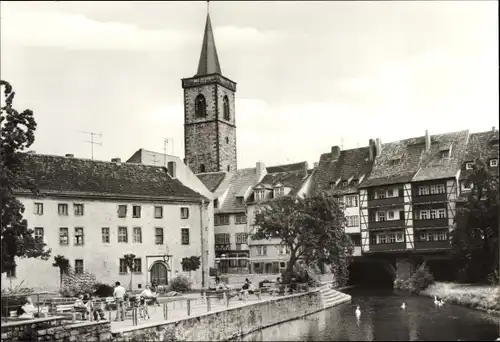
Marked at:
<point>104,290</point>
<point>74,284</point>
<point>421,279</point>
<point>180,284</point>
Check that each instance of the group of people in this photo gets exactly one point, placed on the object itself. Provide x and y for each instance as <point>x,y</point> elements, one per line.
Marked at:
<point>86,305</point>
<point>124,300</point>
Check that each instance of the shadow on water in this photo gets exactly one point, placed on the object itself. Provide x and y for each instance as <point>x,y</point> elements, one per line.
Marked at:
<point>369,275</point>
<point>383,319</point>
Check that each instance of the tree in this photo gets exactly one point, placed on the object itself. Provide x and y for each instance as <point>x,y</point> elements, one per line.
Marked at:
<point>312,229</point>
<point>63,264</point>
<point>17,133</point>
<point>475,239</point>
<point>130,264</point>
<point>191,264</point>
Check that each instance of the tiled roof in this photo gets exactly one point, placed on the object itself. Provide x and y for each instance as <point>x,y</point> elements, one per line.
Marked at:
<point>238,181</point>
<point>57,174</point>
<point>287,167</point>
<point>432,166</point>
<point>480,145</point>
<point>211,179</point>
<point>353,163</point>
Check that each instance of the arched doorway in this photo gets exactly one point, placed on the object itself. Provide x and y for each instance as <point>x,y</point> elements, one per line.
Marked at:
<point>159,273</point>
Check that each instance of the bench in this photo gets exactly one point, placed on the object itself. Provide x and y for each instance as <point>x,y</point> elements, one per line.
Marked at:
<point>66,310</point>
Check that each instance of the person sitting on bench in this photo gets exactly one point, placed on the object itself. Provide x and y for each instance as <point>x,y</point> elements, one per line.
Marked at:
<point>147,294</point>
<point>96,309</point>
<point>28,310</point>
<point>81,307</point>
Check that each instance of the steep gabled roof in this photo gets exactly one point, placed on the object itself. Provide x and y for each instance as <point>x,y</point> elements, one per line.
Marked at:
<point>350,165</point>
<point>211,180</point>
<point>287,167</point>
<point>432,166</point>
<point>239,181</point>
<point>482,145</point>
<point>57,174</point>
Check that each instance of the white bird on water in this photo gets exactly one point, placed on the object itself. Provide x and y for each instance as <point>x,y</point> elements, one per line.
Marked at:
<point>403,306</point>
<point>358,312</point>
<point>438,302</point>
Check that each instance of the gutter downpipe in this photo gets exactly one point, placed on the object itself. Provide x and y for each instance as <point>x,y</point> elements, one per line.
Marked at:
<point>202,205</point>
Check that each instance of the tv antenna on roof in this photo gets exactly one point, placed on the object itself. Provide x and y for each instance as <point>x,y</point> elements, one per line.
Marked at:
<point>91,141</point>
<point>165,148</point>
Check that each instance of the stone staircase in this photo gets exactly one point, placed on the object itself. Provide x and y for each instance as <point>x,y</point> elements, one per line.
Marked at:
<point>331,297</point>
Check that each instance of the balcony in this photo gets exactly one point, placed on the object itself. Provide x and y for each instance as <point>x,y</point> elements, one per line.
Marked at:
<point>442,222</point>
<point>421,245</point>
<point>388,247</point>
<point>386,224</point>
<point>386,202</point>
<point>429,198</point>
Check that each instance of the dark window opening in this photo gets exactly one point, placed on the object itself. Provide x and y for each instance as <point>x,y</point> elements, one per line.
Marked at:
<point>200,106</point>
<point>202,168</point>
<point>227,115</point>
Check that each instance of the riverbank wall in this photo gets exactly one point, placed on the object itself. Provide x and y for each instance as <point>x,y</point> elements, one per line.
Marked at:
<point>233,323</point>
<point>481,297</point>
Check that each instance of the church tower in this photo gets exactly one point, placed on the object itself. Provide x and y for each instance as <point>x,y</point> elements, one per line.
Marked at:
<point>209,113</point>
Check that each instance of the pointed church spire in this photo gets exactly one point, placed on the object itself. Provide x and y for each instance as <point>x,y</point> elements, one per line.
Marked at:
<point>209,61</point>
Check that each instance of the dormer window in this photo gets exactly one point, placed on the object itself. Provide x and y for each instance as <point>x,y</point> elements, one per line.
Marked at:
<point>394,162</point>
<point>216,203</point>
<point>494,162</point>
<point>239,200</point>
<point>469,165</point>
<point>279,191</point>
<point>332,185</point>
<point>259,195</point>
<point>355,182</point>
<point>444,154</point>
<point>343,183</point>
<point>467,185</point>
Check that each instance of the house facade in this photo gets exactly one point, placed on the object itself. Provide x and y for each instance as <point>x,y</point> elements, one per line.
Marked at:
<point>94,212</point>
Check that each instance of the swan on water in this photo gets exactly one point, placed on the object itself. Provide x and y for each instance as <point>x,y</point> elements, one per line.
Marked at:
<point>403,306</point>
<point>358,312</point>
<point>436,301</point>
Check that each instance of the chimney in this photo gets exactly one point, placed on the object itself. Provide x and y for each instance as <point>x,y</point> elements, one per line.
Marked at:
<point>69,155</point>
<point>260,170</point>
<point>427,140</point>
<point>306,168</point>
<point>378,143</point>
<point>335,152</point>
<point>316,165</point>
<point>372,149</point>
<point>493,128</point>
<point>171,169</point>
<point>116,160</point>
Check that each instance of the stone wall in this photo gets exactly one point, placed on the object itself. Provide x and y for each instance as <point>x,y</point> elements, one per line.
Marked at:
<point>55,329</point>
<point>227,324</point>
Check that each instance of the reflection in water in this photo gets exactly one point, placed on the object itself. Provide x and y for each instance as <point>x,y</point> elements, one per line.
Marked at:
<point>383,319</point>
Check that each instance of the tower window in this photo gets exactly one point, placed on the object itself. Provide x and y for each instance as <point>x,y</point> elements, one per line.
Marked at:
<point>200,106</point>
<point>228,168</point>
<point>227,140</point>
<point>202,168</point>
<point>227,115</point>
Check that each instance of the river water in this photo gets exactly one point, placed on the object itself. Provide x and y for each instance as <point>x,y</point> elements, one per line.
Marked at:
<point>382,318</point>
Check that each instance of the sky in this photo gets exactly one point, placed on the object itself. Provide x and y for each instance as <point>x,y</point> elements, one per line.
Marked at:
<point>310,75</point>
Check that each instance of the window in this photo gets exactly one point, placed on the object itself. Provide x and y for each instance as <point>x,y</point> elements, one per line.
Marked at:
<point>352,201</point>
<point>381,216</point>
<point>373,239</point>
<point>159,236</point>
<point>332,185</point>
<point>423,190</point>
<point>227,140</point>
<point>395,162</point>
<point>283,250</point>
<point>158,212</point>
<point>221,220</point>
<point>444,154</point>
<point>11,273</point>
<point>239,200</point>
<point>399,237</point>
<point>62,209</point>
<point>123,266</point>
<point>423,236</point>
<point>352,221</point>
<point>222,239</point>
<point>39,233</point>
<point>202,168</point>
<point>78,208</point>
<point>63,236</point>
<point>79,236</point>
<point>38,209</point>
<point>225,102</point>
<point>279,191</point>
<point>424,214</point>
<point>122,210</point>
<point>216,203</point>
<point>390,215</point>
<point>343,183</point>
<point>105,235</point>
<point>122,234</point>
<point>137,237</point>
<point>241,218</point>
<point>136,211</point>
<point>391,238</point>
<point>390,193</point>
<point>382,238</point>
<point>78,266</point>
<point>200,106</point>
<point>467,185</point>
<point>441,236</point>
<point>259,195</point>
<point>469,165</point>
<point>228,168</point>
<point>493,162</point>
<point>381,194</point>
<point>185,236</point>
<point>241,238</point>
<point>184,213</point>
<point>442,213</point>
<point>261,250</point>
<point>137,267</point>
<point>433,214</point>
